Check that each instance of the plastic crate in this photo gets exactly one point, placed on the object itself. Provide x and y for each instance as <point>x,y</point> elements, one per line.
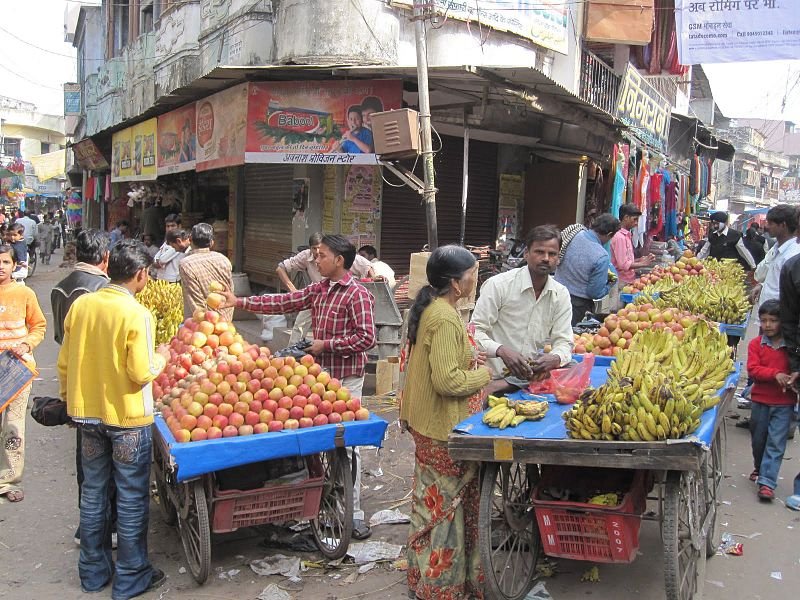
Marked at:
<point>275,503</point>
<point>582,531</point>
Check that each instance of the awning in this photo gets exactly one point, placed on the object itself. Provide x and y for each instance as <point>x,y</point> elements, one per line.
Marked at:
<point>704,137</point>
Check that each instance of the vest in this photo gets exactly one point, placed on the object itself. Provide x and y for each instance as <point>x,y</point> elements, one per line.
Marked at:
<point>724,246</point>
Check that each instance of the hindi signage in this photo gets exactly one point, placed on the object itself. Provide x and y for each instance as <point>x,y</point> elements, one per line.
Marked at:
<point>72,99</point>
<point>544,22</point>
<point>88,155</point>
<point>316,122</point>
<point>716,31</point>
<point>643,110</point>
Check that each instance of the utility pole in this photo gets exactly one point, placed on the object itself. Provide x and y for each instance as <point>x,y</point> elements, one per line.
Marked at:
<point>429,191</point>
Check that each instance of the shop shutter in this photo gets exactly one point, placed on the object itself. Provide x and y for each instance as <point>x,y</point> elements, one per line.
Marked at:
<point>403,225</point>
<point>267,220</point>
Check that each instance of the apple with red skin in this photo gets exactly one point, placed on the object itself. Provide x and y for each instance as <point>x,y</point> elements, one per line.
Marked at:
<point>286,402</point>
<point>181,372</point>
<point>223,367</point>
<point>211,316</point>
<point>261,396</point>
<point>211,410</point>
<point>239,387</point>
<point>282,414</point>
<point>275,394</point>
<point>198,435</point>
<point>260,428</point>
<point>295,412</point>
<point>291,424</point>
<point>309,380</point>
<point>315,400</point>
<point>244,377</point>
<point>339,406</point>
<point>215,399</point>
<point>245,430</point>
<point>236,367</point>
<point>220,421</point>
<point>182,435</point>
<point>267,383</point>
<point>320,420</point>
<point>334,385</point>
<point>265,416</point>
<point>306,422</point>
<point>230,379</point>
<point>348,415</point>
<point>318,389</point>
<point>276,426</point>
<point>214,433</point>
<point>315,370</point>
<point>236,419</point>
<point>251,418</point>
<point>299,400</point>
<point>325,407</point>
<point>198,356</point>
<point>362,414</point>
<point>270,405</point>
<point>257,373</point>
<point>204,422</point>
<point>255,406</point>
<point>253,386</point>
<point>354,404</point>
<point>226,409</point>
<point>311,411</point>
<point>334,417</point>
<point>231,398</point>
<point>241,408</point>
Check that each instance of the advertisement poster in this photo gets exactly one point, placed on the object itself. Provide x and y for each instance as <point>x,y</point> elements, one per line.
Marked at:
<point>316,122</point>
<point>177,140</point>
<point>544,22</point>
<point>88,155</point>
<point>717,31</point>
<point>121,157</point>
<point>643,109</point>
<point>144,151</point>
<point>361,207</point>
<point>221,128</point>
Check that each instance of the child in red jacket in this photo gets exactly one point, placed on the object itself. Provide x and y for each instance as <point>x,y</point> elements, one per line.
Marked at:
<point>773,401</point>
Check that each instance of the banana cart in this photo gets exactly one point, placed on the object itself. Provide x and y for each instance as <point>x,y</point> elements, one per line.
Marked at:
<point>677,480</point>
<point>187,477</point>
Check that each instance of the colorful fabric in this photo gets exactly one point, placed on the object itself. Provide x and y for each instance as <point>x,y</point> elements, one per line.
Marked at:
<point>197,270</point>
<point>342,315</point>
<point>21,318</point>
<point>622,255</point>
<point>12,443</point>
<point>443,555</point>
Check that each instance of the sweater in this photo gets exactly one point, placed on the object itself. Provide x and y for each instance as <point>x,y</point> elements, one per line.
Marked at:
<point>107,361</point>
<point>584,268</point>
<point>764,362</point>
<point>21,318</point>
<point>438,378</point>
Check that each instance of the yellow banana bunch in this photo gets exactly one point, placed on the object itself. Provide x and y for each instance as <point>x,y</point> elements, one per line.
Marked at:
<point>504,413</point>
<point>165,302</point>
<point>719,294</point>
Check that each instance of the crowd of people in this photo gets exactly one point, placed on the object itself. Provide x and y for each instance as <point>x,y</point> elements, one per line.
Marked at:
<point>521,326</point>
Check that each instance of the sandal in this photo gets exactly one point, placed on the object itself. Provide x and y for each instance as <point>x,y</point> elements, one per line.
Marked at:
<point>15,496</point>
<point>754,475</point>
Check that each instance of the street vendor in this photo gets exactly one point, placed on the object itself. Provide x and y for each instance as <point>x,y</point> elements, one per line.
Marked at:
<point>622,256</point>
<point>724,242</point>
<point>342,317</point>
<point>520,311</point>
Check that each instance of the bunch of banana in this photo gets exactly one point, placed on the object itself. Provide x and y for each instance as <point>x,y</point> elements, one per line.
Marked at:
<point>722,299</point>
<point>727,269</point>
<point>165,302</point>
<point>503,412</point>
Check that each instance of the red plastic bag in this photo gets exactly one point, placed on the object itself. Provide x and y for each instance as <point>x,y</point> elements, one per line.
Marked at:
<point>569,383</point>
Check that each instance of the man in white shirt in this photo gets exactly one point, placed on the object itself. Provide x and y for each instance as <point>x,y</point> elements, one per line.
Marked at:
<point>30,228</point>
<point>381,268</point>
<point>782,222</point>
<point>168,258</point>
<point>520,311</point>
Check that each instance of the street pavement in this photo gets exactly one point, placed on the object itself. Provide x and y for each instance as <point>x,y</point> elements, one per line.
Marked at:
<point>38,558</point>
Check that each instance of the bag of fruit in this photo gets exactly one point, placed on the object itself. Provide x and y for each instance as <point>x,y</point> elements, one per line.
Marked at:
<point>569,383</point>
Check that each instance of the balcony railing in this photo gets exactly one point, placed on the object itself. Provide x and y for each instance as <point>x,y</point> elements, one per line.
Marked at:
<point>598,83</point>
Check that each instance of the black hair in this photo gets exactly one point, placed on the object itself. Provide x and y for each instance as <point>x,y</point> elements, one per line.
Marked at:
<point>127,258</point>
<point>8,249</point>
<point>543,233</point>
<point>370,250</point>
<point>341,246</point>
<point>121,223</point>
<point>605,224</point>
<point>755,226</point>
<point>173,218</point>
<point>629,210</point>
<point>91,246</point>
<point>148,235</point>
<point>783,213</point>
<point>17,227</point>
<point>445,264</point>
<point>315,239</point>
<point>770,307</point>
<point>202,235</point>
<point>175,235</point>
<point>356,108</point>
<point>372,102</point>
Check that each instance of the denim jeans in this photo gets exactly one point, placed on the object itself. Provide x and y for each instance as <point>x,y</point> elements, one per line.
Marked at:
<point>124,455</point>
<point>769,428</point>
<point>112,490</point>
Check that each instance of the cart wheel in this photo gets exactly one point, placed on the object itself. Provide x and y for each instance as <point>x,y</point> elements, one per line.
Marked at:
<point>508,534</point>
<point>333,525</point>
<point>713,470</point>
<point>681,519</point>
<point>195,530</point>
<point>168,510</point>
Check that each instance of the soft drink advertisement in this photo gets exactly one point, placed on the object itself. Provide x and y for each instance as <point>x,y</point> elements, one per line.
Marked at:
<point>177,140</point>
<point>317,122</point>
<point>222,128</point>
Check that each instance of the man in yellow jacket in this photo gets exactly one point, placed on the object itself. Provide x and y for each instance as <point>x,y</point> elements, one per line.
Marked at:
<point>106,367</point>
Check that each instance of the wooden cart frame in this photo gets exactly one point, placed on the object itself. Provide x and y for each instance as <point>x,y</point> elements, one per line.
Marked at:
<point>687,476</point>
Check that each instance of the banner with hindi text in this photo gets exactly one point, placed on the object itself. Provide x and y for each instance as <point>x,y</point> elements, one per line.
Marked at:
<point>643,110</point>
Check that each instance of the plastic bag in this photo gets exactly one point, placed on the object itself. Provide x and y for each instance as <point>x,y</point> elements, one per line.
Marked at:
<point>569,383</point>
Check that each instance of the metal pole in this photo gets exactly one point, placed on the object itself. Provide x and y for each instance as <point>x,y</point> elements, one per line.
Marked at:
<point>465,182</point>
<point>429,191</point>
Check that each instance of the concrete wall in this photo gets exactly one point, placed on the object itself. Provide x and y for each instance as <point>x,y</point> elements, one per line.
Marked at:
<point>177,49</point>
<point>235,33</point>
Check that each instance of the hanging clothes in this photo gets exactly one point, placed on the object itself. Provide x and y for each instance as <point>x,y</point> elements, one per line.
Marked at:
<point>618,191</point>
<point>91,182</point>
<point>107,195</point>
<point>671,209</point>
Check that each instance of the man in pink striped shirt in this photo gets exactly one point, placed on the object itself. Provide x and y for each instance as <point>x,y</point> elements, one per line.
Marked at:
<point>622,256</point>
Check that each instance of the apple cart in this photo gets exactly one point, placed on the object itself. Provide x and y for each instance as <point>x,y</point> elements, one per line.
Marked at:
<point>187,479</point>
<point>678,480</point>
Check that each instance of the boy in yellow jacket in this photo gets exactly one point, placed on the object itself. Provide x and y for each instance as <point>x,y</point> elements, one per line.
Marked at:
<point>106,367</point>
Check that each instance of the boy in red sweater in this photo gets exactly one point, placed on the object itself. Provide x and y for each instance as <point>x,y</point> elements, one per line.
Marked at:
<point>773,401</point>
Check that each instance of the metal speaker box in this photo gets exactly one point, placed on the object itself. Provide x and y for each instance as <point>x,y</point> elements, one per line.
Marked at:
<point>396,133</point>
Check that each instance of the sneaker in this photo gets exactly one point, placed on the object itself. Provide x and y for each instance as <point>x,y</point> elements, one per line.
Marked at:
<point>765,492</point>
<point>754,475</point>
<point>743,424</point>
<point>793,502</point>
<point>361,530</point>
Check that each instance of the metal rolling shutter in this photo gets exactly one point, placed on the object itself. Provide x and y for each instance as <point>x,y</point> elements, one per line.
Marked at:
<point>403,228</point>
<point>267,220</point>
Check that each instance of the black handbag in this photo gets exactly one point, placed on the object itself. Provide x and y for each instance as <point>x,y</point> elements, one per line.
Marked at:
<point>50,412</point>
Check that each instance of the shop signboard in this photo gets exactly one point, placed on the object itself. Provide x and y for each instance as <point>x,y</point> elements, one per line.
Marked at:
<point>143,140</point>
<point>72,99</point>
<point>643,110</point>
<point>177,140</point>
<point>316,122</point>
<point>221,122</point>
<point>717,31</point>
<point>121,155</point>
<point>88,155</point>
<point>544,22</point>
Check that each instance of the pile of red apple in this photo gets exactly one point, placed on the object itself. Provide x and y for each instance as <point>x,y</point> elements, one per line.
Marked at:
<point>618,329</point>
<point>687,265</point>
<point>217,385</point>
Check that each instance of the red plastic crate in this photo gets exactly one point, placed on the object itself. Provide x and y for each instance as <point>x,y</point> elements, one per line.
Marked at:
<point>582,531</point>
<point>274,503</point>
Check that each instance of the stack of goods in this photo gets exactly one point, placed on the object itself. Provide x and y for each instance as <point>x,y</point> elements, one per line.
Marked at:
<point>688,265</point>
<point>656,390</point>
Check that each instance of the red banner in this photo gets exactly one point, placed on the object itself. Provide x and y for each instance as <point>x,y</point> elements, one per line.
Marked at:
<point>88,155</point>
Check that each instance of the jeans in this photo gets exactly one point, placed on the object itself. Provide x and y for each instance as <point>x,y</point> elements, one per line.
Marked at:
<point>112,489</point>
<point>124,455</point>
<point>769,428</point>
